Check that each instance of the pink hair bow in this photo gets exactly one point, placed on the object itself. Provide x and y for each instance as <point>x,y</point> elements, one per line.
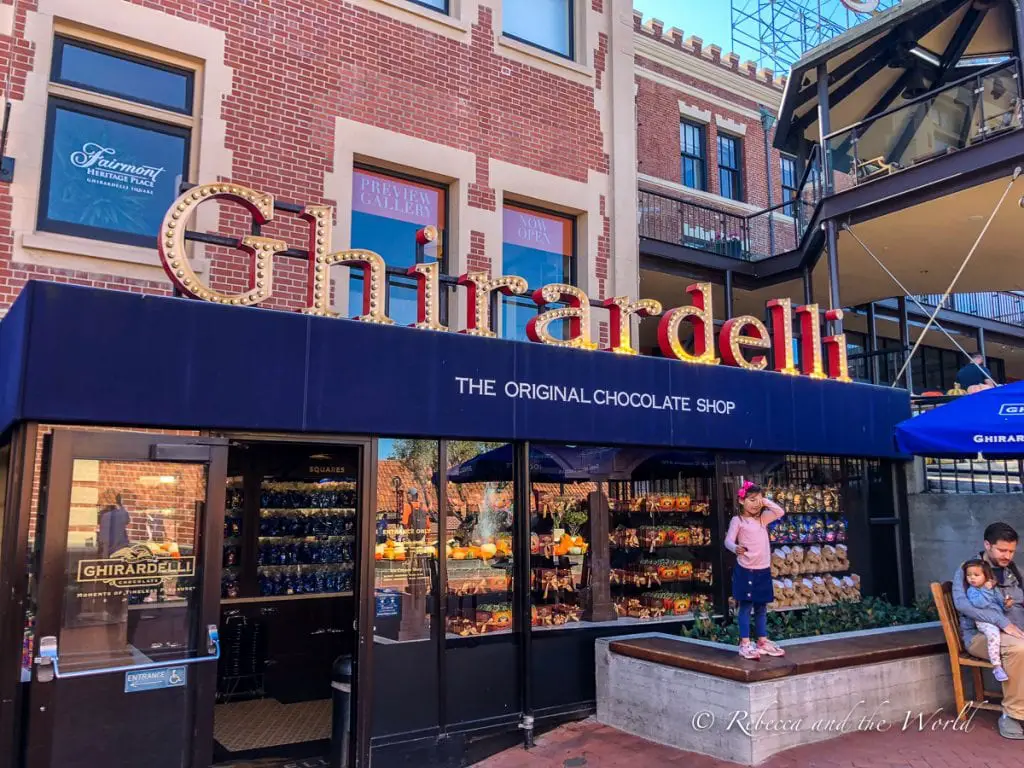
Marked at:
<point>742,493</point>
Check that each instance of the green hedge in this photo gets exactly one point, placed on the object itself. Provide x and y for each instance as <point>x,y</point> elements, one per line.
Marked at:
<point>869,613</point>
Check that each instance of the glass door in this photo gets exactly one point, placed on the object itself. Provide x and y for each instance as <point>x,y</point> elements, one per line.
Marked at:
<point>124,670</point>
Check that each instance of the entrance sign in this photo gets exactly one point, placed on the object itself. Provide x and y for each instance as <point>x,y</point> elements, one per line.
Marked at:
<point>155,679</point>
<point>738,334</point>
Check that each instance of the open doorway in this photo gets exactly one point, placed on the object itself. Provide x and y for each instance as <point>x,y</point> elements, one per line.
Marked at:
<point>287,596</point>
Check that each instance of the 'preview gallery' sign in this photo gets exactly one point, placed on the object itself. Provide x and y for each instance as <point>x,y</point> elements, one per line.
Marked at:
<point>744,341</point>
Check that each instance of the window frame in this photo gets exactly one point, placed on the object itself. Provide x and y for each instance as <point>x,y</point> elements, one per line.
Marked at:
<point>701,160</point>
<point>44,222</point>
<point>60,41</point>
<point>571,55</point>
<point>790,198</point>
<point>426,4</point>
<point>736,172</point>
<point>101,104</point>
<point>443,262</point>
<point>573,262</point>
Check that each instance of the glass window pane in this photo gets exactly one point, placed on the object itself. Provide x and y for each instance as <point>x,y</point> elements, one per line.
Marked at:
<point>109,177</point>
<point>407,538</point>
<point>479,549</point>
<point>105,72</point>
<point>545,23</point>
<point>387,212</point>
<point>440,5</point>
<point>538,247</point>
<point>131,595</point>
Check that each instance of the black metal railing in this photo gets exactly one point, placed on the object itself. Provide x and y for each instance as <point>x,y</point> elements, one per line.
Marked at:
<point>968,475</point>
<point>1003,306</point>
<point>669,218</point>
<point>970,110</point>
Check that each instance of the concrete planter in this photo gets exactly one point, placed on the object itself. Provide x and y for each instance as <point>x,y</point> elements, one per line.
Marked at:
<point>747,723</point>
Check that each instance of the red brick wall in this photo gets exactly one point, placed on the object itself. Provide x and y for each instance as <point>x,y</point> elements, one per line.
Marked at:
<point>658,118</point>
<point>331,60</point>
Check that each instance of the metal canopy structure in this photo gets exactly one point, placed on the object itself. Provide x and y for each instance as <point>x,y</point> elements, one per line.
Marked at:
<point>776,33</point>
<point>891,59</point>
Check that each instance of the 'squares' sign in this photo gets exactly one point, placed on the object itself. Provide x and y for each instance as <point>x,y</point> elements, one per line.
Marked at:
<point>738,338</point>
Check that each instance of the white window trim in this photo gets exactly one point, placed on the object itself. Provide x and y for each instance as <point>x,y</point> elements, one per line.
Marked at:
<point>731,126</point>
<point>696,114</point>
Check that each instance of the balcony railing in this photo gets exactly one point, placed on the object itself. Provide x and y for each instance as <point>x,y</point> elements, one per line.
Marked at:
<point>1002,306</point>
<point>966,112</point>
<point>749,237</point>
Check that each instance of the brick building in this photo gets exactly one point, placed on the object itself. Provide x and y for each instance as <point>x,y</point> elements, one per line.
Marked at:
<point>448,101</point>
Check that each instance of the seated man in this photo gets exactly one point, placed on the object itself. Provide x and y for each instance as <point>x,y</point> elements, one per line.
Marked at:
<point>1000,547</point>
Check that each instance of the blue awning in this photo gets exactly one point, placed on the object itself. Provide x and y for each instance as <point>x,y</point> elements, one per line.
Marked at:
<point>85,356</point>
<point>990,422</point>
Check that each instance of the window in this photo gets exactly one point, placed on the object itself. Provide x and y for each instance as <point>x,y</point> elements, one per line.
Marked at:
<point>110,174</point>
<point>691,142</point>
<point>729,167</point>
<point>546,24</point>
<point>789,182</point>
<point>540,248</point>
<point>387,212</point>
<point>437,5</point>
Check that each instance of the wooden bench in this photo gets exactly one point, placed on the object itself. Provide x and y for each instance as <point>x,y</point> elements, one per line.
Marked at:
<point>958,656</point>
<point>799,659</point>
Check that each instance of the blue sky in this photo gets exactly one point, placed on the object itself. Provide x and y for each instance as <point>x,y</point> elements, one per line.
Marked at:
<point>707,19</point>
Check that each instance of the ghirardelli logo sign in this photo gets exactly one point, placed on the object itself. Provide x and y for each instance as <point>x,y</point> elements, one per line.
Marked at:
<point>135,566</point>
<point>101,161</point>
<point>861,6</point>
<point>743,342</point>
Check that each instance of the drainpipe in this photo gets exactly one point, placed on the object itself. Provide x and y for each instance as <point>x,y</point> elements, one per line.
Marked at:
<point>767,121</point>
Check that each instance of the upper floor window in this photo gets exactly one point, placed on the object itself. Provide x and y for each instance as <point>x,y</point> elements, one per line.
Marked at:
<point>437,5</point>
<point>691,143</point>
<point>539,246</point>
<point>387,212</point>
<point>547,24</point>
<point>729,170</point>
<point>789,182</point>
<point>118,136</point>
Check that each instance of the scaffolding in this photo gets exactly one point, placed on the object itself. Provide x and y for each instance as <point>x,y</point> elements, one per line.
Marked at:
<point>775,33</point>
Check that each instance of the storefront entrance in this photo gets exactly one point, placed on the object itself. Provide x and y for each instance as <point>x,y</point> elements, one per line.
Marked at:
<point>126,609</point>
<point>190,596</point>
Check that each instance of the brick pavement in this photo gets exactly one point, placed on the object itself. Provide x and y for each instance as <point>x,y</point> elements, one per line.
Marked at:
<point>589,744</point>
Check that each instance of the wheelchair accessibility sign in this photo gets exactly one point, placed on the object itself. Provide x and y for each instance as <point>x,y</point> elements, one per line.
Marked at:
<point>155,679</point>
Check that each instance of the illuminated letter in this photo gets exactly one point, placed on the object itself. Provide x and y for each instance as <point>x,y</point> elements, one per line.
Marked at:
<point>810,341</point>
<point>171,244</point>
<point>782,336</point>
<point>428,289</point>
<point>731,340</point>
<point>703,320</point>
<point>577,313</point>
<point>480,287</point>
<point>835,350</point>
<point>318,289</point>
<point>620,310</point>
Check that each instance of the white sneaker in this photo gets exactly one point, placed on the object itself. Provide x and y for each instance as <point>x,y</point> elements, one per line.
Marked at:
<point>749,651</point>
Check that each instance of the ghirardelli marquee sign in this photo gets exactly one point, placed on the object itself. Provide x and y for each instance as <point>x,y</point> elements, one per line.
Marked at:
<point>135,566</point>
<point>744,342</point>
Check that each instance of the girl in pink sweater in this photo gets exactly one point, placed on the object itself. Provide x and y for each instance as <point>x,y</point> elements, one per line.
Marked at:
<point>751,578</point>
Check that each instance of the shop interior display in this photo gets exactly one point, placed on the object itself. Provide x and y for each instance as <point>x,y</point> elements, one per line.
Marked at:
<point>305,538</point>
<point>810,559</point>
<point>662,544</point>
<point>559,572</point>
<point>479,558</point>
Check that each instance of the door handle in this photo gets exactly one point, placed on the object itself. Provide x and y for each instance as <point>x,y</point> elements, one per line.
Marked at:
<point>48,665</point>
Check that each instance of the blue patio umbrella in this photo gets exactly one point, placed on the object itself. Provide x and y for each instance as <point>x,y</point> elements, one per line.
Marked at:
<point>990,422</point>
